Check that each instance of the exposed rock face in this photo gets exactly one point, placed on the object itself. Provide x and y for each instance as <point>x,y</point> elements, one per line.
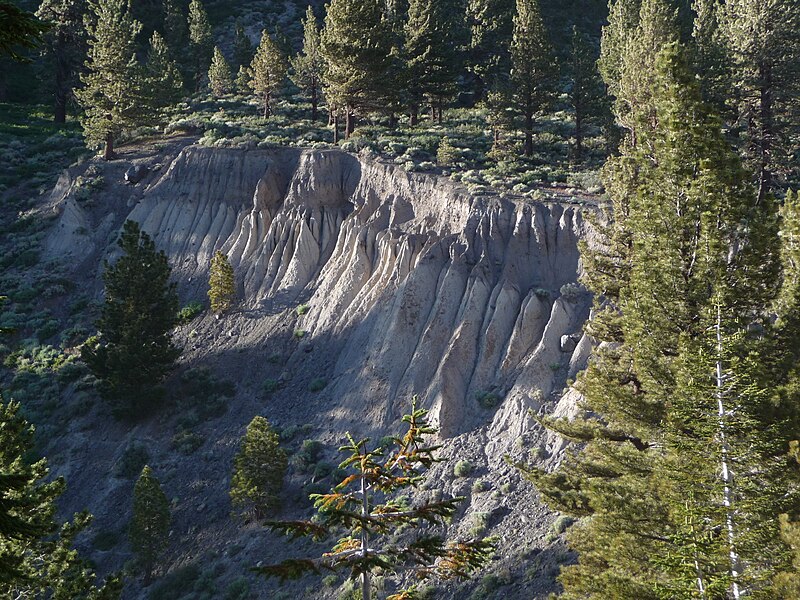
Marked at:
<point>414,285</point>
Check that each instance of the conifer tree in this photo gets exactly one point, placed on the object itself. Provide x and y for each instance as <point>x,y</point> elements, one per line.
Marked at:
<point>219,75</point>
<point>222,288</point>
<point>365,511</point>
<point>762,41</point>
<point>113,96</point>
<point>356,44</point>
<point>135,349</point>
<point>201,41</point>
<point>242,47</point>
<point>269,68</point>
<point>65,41</point>
<point>684,470</point>
<point>37,559</point>
<point>491,26</point>
<point>533,73</point>
<point>308,66</point>
<point>587,93</point>
<point>163,77</point>
<point>18,29</point>
<point>242,82</point>
<point>258,470</point>
<point>432,49</point>
<point>176,34</point>
<point>150,522</point>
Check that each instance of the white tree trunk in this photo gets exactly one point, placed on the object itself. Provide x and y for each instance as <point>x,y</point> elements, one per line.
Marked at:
<point>727,480</point>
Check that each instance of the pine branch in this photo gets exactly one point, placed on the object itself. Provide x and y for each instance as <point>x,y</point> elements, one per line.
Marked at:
<point>298,529</point>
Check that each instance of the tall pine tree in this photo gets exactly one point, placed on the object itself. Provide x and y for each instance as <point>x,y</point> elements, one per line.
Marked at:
<point>269,69</point>
<point>163,77</point>
<point>534,72</point>
<point>135,350</point>
<point>149,526</point>
<point>308,66</point>
<point>113,97</point>
<point>220,78</point>
<point>356,44</point>
<point>201,41</point>
<point>685,468</point>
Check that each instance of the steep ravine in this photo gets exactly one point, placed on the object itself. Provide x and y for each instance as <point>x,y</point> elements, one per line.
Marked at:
<point>414,286</point>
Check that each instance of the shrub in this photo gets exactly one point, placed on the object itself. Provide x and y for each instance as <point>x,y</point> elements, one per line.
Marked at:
<point>302,309</point>
<point>317,385</point>
<point>489,399</point>
<point>447,154</point>
<point>480,522</point>
<point>299,333</point>
<point>571,291</point>
<point>270,386</point>
<point>132,461</point>
<point>463,468</point>
<point>186,441</point>
<point>562,523</point>
<point>238,590</point>
<point>481,486</point>
<point>222,288</point>
<point>190,311</point>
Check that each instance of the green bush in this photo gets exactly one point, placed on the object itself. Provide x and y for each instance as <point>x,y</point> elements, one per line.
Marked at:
<point>317,385</point>
<point>489,400</point>
<point>463,468</point>
<point>190,311</point>
<point>238,590</point>
<point>270,386</point>
<point>562,523</point>
<point>133,459</point>
<point>186,441</point>
<point>302,309</point>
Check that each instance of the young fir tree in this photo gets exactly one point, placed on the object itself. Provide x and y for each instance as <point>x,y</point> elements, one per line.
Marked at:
<point>219,75</point>
<point>762,42</point>
<point>365,511</point>
<point>162,74</point>
<point>222,287</point>
<point>587,93</point>
<point>113,96</point>
<point>258,470</point>
<point>149,527</point>
<point>269,69</point>
<point>65,41</point>
<point>201,41</point>
<point>357,43</point>
<point>37,559</point>
<point>685,469</point>
<point>433,53</point>
<point>242,47</point>
<point>308,66</point>
<point>534,73</point>
<point>135,349</point>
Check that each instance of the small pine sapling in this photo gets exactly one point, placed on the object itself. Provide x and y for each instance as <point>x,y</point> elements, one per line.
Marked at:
<point>364,515</point>
<point>150,523</point>
<point>222,288</point>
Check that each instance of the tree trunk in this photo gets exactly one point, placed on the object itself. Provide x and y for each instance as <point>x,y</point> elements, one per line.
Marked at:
<point>108,152</point>
<point>414,115</point>
<point>335,119</point>
<point>330,117</point>
<point>528,131</point>
<point>578,134</point>
<point>62,82</point>
<point>314,102</point>
<point>349,124</point>
<point>766,133</point>
<point>433,112</point>
<point>440,116</point>
<point>266,106</point>
<point>727,478</point>
<point>392,121</point>
<point>365,587</point>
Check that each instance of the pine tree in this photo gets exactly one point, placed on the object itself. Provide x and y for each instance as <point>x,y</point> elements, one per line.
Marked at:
<point>219,75</point>
<point>201,41</point>
<point>365,510</point>
<point>491,27</point>
<point>222,288</point>
<point>150,522</point>
<point>684,470</point>
<point>762,41</point>
<point>18,28</point>
<point>258,470</point>
<point>163,77</point>
<point>433,42</point>
<point>533,73</point>
<point>242,47</point>
<point>269,68</point>
<point>37,558</point>
<point>113,96</point>
<point>65,41</point>
<point>587,94</point>
<point>357,43</point>
<point>308,66</point>
<point>243,78</point>
<point>135,350</point>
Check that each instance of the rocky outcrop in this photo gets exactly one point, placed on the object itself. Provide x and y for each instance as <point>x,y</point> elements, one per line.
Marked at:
<point>415,285</point>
